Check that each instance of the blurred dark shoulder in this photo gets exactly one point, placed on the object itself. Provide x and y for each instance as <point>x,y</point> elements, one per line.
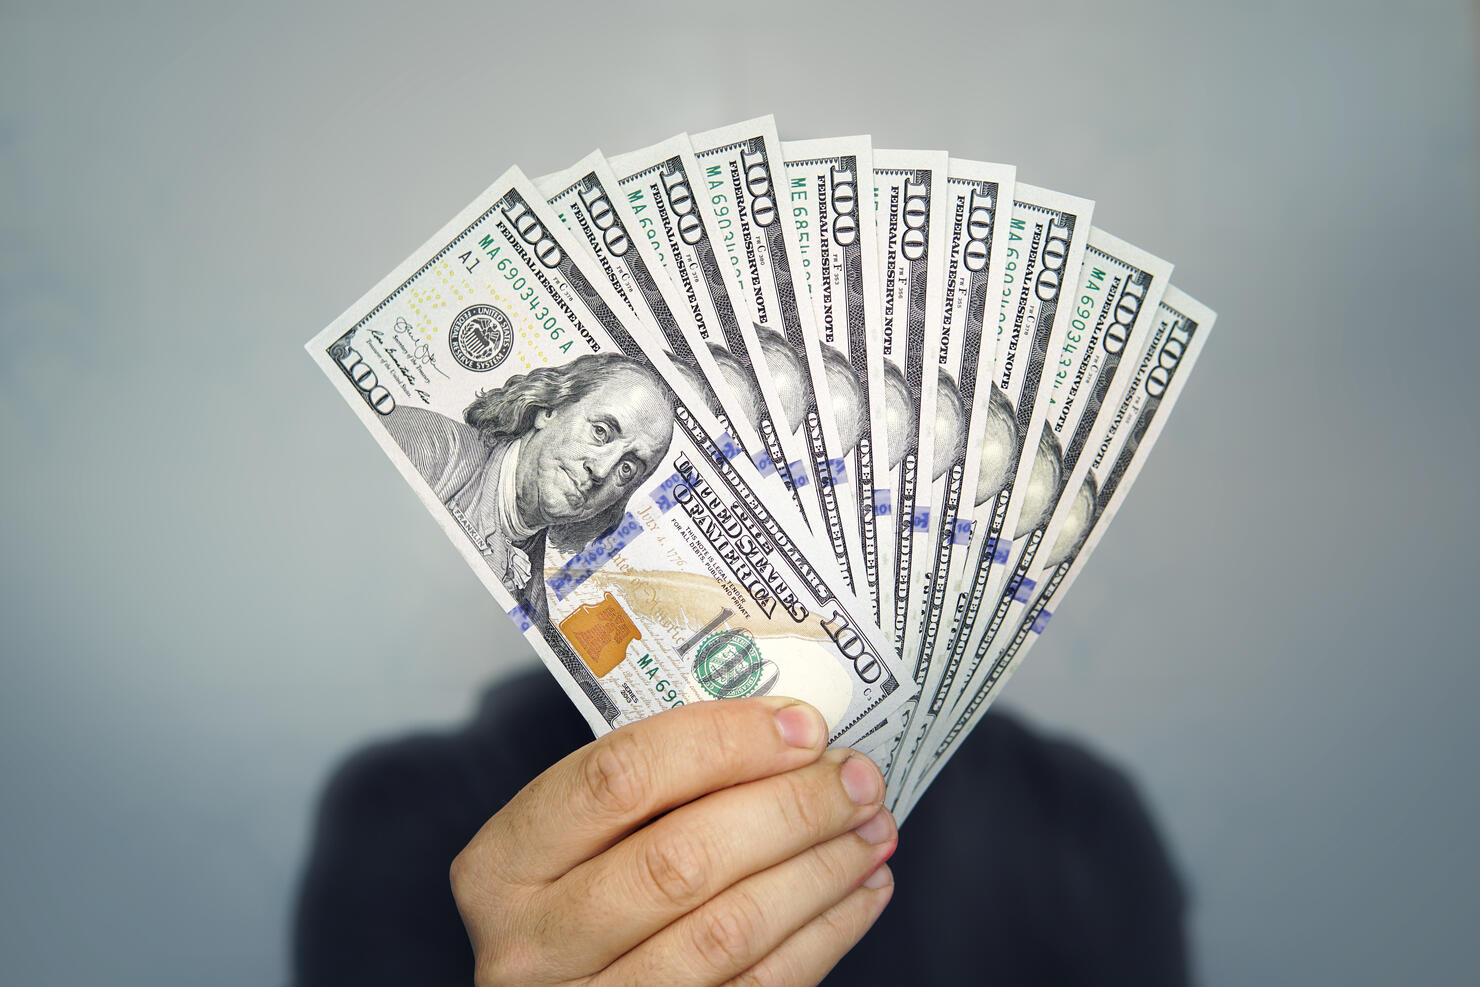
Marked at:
<point>374,904</point>
<point>1030,860</point>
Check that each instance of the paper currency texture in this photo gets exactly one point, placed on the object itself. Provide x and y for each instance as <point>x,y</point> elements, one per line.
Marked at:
<point>587,484</point>
<point>1115,452</point>
<point>729,416</point>
<point>978,198</point>
<point>909,202</point>
<point>829,182</point>
<point>744,193</point>
<point>1045,247</point>
<point>661,183</point>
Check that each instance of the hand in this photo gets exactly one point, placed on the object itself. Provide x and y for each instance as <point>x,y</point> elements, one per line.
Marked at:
<point>713,842</point>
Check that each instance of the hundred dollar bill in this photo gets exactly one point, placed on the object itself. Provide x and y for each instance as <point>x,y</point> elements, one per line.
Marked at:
<point>1120,286</point>
<point>978,199</point>
<point>829,186</point>
<point>1016,475</point>
<point>744,182</point>
<point>660,183</point>
<point>1120,289</point>
<point>910,212</point>
<point>582,478</point>
<point>1122,437</point>
<point>586,199</point>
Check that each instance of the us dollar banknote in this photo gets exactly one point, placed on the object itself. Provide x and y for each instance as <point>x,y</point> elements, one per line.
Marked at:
<point>588,201</point>
<point>744,188</point>
<point>829,188</point>
<point>1120,289</point>
<point>1122,437</point>
<point>1046,238</point>
<point>582,477</point>
<point>978,197</point>
<point>661,183</point>
<point>909,203</point>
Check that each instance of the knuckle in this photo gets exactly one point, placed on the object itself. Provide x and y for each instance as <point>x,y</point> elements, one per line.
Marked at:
<point>501,954</point>
<point>616,774</point>
<point>757,976</point>
<point>460,876</point>
<point>731,736</point>
<point>801,805</point>
<point>472,876</point>
<point>722,936</point>
<point>675,868</point>
<point>839,927</point>
<point>836,865</point>
<point>489,971</point>
<point>497,968</point>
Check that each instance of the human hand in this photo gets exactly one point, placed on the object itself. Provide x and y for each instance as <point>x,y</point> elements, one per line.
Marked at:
<point>714,842</point>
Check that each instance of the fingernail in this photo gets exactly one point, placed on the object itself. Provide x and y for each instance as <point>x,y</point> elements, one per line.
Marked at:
<point>862,781</point>
<point>801,726</point>
<point>882,877</point>
<point>877,830</point>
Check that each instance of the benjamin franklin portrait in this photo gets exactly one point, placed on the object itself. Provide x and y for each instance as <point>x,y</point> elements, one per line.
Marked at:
<point>850,408</point>
<point>741,385</point>
<point>691,371</point>
<point>1076,525</point>
<point>551,456</point>
<point>999,464</point>
<point>788,375</point>
<point>899,414</point>
<point>950,425</point>
<point>1045,480</point>
<point>999,447</point>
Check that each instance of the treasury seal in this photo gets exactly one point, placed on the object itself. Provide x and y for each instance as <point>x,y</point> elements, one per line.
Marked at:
<point>729,665</point>
<point>481,337</point>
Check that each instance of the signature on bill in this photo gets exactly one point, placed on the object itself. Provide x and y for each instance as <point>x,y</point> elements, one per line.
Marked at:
<point>418,349</point>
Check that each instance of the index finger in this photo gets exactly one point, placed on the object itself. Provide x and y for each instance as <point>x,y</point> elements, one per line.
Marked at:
<point>595,796</point>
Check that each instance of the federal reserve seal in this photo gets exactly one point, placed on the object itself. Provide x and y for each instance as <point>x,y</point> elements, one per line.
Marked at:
<point>729,665</point>
<point>481,337</point>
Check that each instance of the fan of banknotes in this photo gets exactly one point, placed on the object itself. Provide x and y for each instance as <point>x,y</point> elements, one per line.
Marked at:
<point>732,416</point>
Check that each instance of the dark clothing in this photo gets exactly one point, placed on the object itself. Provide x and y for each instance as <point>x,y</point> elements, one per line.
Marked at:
<point>1029,861</point>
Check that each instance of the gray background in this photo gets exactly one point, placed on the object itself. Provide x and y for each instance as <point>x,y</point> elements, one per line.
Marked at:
<point>215,586</point>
